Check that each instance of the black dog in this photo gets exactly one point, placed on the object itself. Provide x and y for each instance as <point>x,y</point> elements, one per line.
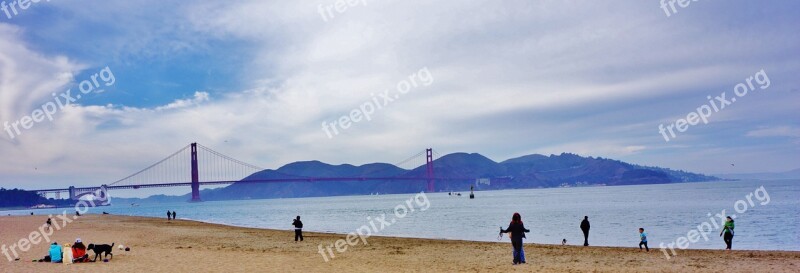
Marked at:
<point>100,249</point>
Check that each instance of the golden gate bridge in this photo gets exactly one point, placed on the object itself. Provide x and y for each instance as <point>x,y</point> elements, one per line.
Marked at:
<point>196,165</point>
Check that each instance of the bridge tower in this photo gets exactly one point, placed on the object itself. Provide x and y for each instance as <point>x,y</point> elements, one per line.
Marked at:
<point>429,164</point>
<point>73,195</point>
<point>195,175</point>
<point>102,195</point>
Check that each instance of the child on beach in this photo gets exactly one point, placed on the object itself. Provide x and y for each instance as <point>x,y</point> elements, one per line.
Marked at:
<point>517,230</point>
<point>643,240</point>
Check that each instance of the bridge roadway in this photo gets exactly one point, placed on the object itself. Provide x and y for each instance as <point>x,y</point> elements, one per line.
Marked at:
<point>253,181</point>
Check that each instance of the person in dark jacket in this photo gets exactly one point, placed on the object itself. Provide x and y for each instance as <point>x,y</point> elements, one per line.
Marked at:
<point>174,215</point>
<point>298,229</point>
<point>727,230</point>
<point>517,230</point>
<point>169,215</point>
<point>585,228</point>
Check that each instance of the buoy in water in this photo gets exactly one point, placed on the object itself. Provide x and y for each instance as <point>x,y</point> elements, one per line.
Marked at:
<point>471,192</point>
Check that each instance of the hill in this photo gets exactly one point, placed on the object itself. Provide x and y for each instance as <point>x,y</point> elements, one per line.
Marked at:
<point>531,171</point>
<point>792,174</point>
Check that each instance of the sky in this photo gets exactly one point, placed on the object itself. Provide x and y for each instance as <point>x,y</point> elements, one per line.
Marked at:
<point>258,80</point>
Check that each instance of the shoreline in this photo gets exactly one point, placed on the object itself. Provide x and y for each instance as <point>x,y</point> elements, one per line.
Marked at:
<point>158,245</point>
<point>504,240</point>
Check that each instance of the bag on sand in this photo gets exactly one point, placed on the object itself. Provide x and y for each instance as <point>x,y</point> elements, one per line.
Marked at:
<point>67,254</point>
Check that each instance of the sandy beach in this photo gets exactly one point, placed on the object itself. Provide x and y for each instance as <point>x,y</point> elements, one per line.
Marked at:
<point>158,245</point>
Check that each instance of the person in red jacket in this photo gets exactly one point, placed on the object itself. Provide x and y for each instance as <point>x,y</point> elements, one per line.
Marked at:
<point>79,252</point>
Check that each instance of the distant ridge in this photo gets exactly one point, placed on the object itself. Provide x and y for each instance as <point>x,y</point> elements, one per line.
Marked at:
<point>530,171</point>
<point>792,174</point>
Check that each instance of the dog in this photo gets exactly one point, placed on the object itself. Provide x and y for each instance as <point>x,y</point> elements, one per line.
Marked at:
<point>101,249</point>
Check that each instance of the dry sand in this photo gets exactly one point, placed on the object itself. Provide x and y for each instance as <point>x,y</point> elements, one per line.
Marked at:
<point>186,246</point>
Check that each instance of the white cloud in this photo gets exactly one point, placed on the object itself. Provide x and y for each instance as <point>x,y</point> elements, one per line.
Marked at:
<point>199,97</point>
<point>28,78</point>
<point>780,131</point>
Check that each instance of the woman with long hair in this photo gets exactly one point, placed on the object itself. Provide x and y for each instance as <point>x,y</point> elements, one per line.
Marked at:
<point>517,230</point>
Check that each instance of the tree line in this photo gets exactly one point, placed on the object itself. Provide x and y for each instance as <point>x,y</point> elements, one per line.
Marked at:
<point>22,198</point>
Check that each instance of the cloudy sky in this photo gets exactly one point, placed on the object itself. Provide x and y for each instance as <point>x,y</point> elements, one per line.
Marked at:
<point>256,80</point>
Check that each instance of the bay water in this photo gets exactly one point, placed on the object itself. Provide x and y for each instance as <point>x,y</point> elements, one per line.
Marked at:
<point>768,220</point>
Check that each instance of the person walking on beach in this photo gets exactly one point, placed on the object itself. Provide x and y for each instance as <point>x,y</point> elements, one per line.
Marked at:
<point>298,229</point>
<point>727,230</point>
<point>585,228</point>
<point>49,223</point>
<point>643,240</point>
<point>517,230</point>
<point>174,215</point>
<point>169,216</point>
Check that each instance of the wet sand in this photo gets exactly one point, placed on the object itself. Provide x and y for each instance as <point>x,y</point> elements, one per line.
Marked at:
<point>158,245</point>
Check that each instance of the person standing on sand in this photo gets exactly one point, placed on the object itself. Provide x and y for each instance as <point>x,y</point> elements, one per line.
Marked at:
<point>727,229</point>
<point>517,230</point>
<point>585,228</point>
<point>174,215</point>
<point>169,216</point>
<point>643,240</point>
<point>298,229</point>
<point>49,223</point>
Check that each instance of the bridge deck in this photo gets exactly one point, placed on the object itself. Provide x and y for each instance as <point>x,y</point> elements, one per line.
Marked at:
<point>253,181</point>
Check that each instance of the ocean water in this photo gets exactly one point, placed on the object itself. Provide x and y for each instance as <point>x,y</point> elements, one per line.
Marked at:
<point>667,212</point>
